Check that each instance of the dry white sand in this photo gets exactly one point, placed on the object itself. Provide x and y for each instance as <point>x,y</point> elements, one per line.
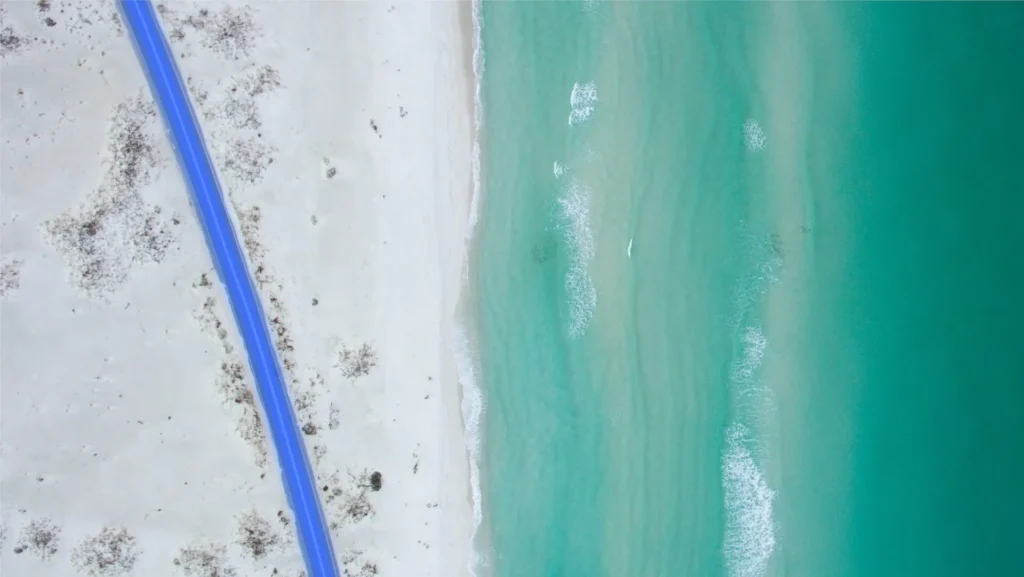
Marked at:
<point>130,441</point>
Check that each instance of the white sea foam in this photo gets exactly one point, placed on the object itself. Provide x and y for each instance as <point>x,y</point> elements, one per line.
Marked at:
<point>754,344</point>
<point>478,118</point>
<point>559,170</point>
<point>590,155</point>
<point>582,99</point>
<point>574,222</point>
<point>754,399</point>
<point>750,528</point>
<point>465,361</point>
<point>767,263</point>
<point>753,135</point>
<point>472,415</point>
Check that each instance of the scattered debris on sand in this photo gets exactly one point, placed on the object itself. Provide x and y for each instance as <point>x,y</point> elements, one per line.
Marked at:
<point>246,159</point>
<point>10,277</point>
<point>334,417</point>
<point>40,538</point>
<point>346,504</point>
<point>256,536</point>
<point>111,553</point>
<point>376,481</point>
<point>330,171</point>
<point>355,363</point>
<point>262,80</point>
<point>211,323</point>
<point>355,566</point>
<point>234,103</point>
<point>309,429</point>
<point>207,560</point>
<point>116,228</point>
<point>234,118</point>
<point>235,390</point>
<point>11,41</point>
<point>229,32</point>
<point>131,144</point>
<point>249,220</point>
<point>319,452</point>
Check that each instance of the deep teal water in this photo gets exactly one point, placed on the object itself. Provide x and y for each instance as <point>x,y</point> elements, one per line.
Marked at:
<point>745,289</point>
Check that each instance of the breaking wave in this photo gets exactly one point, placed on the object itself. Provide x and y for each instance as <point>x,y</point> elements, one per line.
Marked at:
<point>750,527</point>
<point>574,223</point>
<point>472,404</point>
<point>582,99</point>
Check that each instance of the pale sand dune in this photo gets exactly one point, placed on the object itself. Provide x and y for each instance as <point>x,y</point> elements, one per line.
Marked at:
<point>343,134</point>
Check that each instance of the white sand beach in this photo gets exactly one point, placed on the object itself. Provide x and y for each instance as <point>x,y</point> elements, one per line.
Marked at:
<point>130,442</point>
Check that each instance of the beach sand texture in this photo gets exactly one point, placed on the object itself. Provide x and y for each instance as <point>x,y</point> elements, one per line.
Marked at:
<point>130,441</point>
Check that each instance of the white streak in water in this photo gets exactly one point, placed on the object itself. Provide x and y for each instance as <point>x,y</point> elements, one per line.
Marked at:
<point>753,136</point>
<point>754,344</point>
<point>478,119</point>
<point>472,397</point>
<point>472,414</point>
<point>574,216</point>
<point>582,100</point>
<point>750,529</point>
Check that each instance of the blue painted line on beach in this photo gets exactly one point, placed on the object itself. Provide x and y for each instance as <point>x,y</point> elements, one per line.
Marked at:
<point>208,202</point>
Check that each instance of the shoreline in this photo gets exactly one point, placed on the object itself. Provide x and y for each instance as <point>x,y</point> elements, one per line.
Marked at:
<point>351,186</point>
<point>464,322</point>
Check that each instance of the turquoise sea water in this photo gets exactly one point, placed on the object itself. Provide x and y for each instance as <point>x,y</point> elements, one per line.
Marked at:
<point>745,288</point>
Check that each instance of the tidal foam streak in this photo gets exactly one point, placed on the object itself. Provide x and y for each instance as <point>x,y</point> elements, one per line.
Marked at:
<point>574,223</point>
<point>465,360</point>
<point>750,529</point>
<point>582,99</point>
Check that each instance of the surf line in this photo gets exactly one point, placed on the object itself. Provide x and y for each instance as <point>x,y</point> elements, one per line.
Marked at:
<point>182,127</point>
<point>629,249</point>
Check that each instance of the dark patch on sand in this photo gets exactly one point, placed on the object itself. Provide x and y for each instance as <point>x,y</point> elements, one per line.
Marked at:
<point>229,31</point>
<point>210,321</point>
<point>256,536</point>
<point>235,391</point>
<point>247,159</point>
<point>110,553</point>
<point>354,565</point>
<point>116,229</point>
<point>355,363</point>
<point>41,537</point>
<point>11,41</point>
<point>206,560</point>
<point>10,277</point>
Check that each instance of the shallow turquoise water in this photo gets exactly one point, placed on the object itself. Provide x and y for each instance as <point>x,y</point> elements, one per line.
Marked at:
<point>744,288</point>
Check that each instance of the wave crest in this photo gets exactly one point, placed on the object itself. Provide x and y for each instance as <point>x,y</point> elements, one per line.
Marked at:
<point>472,405</point>
<point>582,99</point>
<point>749,501</point>
<point>574,222</point>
